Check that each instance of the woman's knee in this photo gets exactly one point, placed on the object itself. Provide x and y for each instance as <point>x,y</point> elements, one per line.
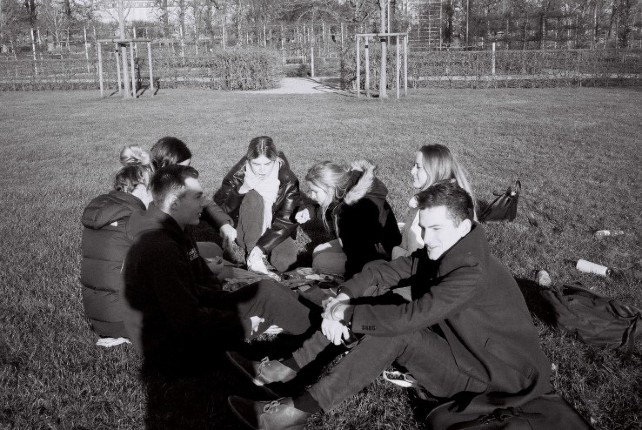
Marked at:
<point>330,262</point>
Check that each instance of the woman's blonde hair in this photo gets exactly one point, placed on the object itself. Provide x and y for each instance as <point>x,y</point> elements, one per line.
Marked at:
<point>129,177</point>
<point>134,155</point>
<point>441,165</point>
<point>331,178</point>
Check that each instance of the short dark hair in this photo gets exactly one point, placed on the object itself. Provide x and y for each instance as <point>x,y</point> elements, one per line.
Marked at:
<point>169,179</point>
<point>457,201</point>
<point>169,150</point>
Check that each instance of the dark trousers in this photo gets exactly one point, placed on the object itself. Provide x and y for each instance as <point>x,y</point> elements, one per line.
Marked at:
<point>249,230</point>
<point>423,353</point>
<point>275,303</point>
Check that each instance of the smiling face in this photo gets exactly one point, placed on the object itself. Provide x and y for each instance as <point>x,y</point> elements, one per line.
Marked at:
<point>187,208</point>
<point>439,230</point>
<point>262,166</point>
<point>418,172</point>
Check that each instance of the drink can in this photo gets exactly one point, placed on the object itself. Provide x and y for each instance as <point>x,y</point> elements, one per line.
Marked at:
<point>603,233</point>
<point>588,267</point>
<point>543,278</point>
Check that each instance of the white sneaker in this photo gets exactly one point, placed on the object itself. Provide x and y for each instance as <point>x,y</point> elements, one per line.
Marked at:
<point>108,342</point>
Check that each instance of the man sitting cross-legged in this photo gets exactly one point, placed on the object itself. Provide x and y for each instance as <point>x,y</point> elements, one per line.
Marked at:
<point>176,309</point>
<point>466,333</point>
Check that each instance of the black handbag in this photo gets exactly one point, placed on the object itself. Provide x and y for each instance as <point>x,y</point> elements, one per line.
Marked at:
<point>504,207</point>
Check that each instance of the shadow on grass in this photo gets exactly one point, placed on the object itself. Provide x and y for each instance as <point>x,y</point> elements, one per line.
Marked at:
<point>536,303</point>
<point>196,399</point>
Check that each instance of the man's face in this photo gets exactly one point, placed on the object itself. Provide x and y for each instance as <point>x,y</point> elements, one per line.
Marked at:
<point>188,208</point>
<point>439,231</point>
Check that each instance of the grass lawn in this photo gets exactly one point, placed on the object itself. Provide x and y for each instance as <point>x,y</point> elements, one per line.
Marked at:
<point>576,151</point>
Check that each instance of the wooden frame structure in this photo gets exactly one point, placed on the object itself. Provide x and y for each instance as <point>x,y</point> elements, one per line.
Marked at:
<point>121,46</point>
<point>383,37</point>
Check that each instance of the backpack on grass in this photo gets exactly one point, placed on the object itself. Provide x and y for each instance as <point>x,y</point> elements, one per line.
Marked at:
<point>596,319</point>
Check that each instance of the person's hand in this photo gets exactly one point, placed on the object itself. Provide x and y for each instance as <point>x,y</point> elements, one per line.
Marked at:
<point>334,331</point>
<point>256,322</point>
<point>228,233</point>
<point>273,329</point>
<point>335,311</point>
<point>303,216</point>
<point>330,301</point>
<point>255,261</point>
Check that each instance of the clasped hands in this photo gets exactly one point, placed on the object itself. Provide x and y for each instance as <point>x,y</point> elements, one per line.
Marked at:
<point>333,326</point>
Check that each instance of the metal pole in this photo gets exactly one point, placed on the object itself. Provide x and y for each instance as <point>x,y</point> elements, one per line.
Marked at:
<point>100,70</point>
<point>358,68</point>
<point>133,68</point>
<point>405,65</point>
<point>367,65</point>
<point>397,65</point>
<point>151,71</point>
<point>492,60</point>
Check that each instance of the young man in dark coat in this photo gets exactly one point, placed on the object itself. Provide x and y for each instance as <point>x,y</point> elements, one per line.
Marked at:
<point>177,312</point>
<point>466,333</point>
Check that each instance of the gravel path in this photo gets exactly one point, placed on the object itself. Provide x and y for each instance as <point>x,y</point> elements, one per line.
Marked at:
<point>298,86</point>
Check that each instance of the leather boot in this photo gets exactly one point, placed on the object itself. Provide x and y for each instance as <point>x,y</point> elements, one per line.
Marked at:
<point>275,415</point>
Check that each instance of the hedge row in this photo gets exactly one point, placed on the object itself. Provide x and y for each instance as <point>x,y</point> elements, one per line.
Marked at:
<point>540,68</point>
<point>238,69</point>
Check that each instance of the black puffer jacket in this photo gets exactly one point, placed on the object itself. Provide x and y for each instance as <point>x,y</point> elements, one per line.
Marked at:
<point>363,220</point>
<point>287,202</point>
<point>104,247</point>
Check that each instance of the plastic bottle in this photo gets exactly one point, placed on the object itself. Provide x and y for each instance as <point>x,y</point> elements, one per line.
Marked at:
<point>603,233</point>
<point>543,278</point>
<point>588,267</point>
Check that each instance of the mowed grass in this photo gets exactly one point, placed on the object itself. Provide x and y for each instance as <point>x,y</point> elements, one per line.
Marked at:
<point>576,151</point>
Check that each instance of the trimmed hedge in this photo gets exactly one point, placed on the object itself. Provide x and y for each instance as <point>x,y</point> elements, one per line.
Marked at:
<point>513,68</point>
<point>234,69</point>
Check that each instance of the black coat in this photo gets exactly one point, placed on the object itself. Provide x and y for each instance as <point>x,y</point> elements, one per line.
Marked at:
<point>104,247</point>
<point>363,220</point>
<point>477,306</point>
<point>285,207</point>
<point>170,292</point>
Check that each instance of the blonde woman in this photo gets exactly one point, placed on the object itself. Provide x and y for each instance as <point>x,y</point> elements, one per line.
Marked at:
<point>354,209</point>
<point>433,163</point>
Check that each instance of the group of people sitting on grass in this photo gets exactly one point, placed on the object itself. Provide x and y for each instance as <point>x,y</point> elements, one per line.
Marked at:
<point>430,299</point>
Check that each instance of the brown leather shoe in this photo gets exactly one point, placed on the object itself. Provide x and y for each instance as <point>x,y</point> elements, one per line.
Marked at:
<point>275,415</point>
<point>262,372</point>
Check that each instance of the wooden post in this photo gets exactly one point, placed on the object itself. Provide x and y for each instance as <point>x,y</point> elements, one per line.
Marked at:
<point>120,83</point>
<point>398,65</point>
<point>367,66</point>
<point>133,68</point>
<point>33,47</point>
<point>126,83</point>
<point>180,32</point>
<point>358,68</point>
<point>312,59</point>
<point>86,49</point>
<point>151,69</point>
<point>100,69</point>
<point>383,80</point>
<point>492,60</point>
<point>405,65</point>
